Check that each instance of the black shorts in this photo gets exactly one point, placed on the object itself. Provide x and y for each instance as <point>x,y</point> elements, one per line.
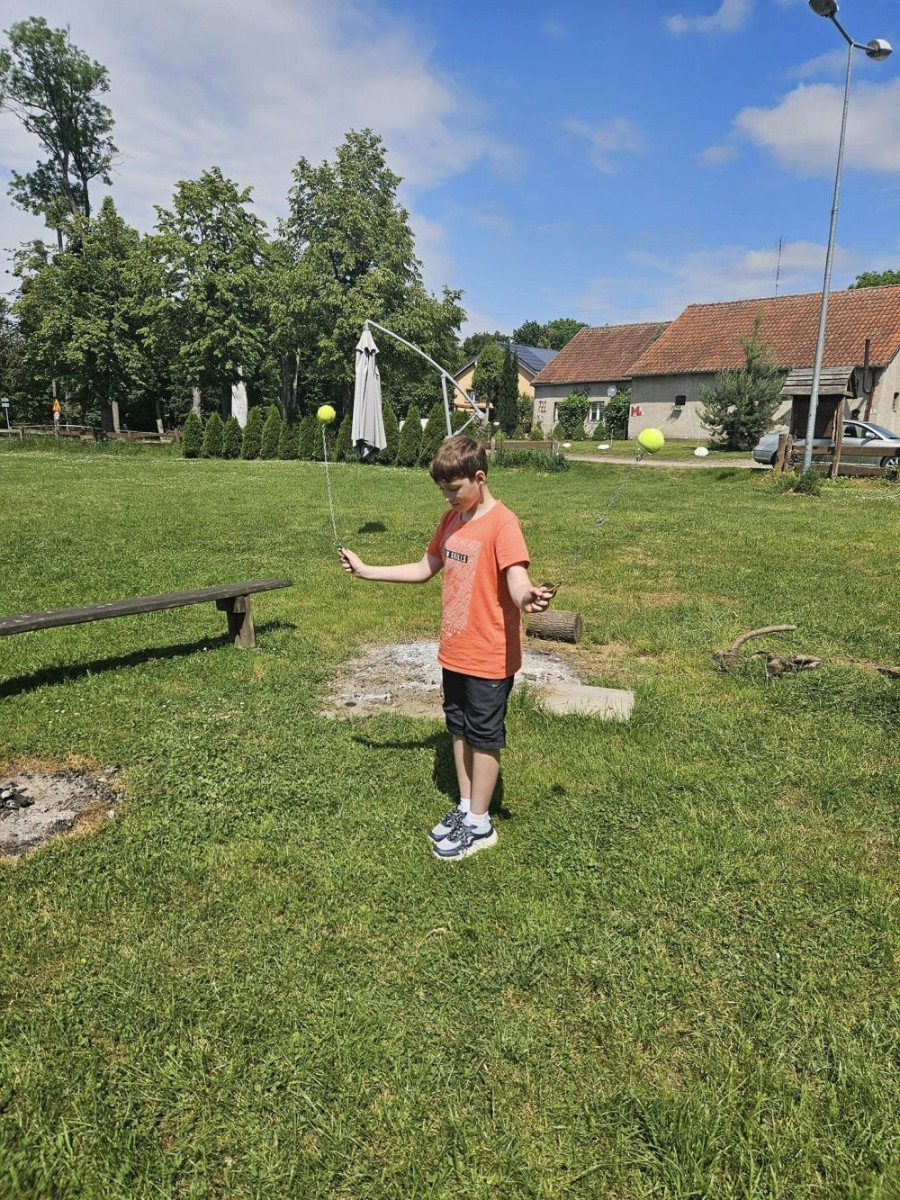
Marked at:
<point>476,709</point>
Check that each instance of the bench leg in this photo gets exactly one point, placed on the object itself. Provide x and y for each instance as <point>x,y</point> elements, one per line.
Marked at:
<point>240,621</point>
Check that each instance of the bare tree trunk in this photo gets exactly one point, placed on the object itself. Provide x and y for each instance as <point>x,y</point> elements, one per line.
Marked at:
<point>239,399</point>
<point>196,401</point>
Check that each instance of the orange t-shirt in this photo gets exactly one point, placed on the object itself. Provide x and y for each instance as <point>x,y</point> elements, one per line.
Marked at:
<point>481,627</point>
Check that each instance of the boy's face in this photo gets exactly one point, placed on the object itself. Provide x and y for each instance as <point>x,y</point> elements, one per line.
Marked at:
<point>463,494</point>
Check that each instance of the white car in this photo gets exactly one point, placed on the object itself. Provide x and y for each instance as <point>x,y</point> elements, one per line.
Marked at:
<point>856,433</point>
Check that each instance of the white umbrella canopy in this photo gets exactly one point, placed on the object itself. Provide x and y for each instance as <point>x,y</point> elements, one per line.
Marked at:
<point>367,430</point>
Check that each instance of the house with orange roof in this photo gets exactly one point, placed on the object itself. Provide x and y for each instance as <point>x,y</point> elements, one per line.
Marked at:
<point>598,362</point>
<point>860,368</point>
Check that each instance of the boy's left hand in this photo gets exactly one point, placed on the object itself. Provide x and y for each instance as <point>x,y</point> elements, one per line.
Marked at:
<point>537,599</point>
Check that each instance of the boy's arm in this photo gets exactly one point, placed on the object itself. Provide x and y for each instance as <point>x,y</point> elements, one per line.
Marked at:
<point>419,572</point>
<point>523,592</point>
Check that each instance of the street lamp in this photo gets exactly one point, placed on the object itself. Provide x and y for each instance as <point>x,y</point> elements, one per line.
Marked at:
<point>878,49</point>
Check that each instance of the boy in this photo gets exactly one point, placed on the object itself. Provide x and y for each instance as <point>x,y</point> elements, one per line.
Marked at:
<point>486,588</point>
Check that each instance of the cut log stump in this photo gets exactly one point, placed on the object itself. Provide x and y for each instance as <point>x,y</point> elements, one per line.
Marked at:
<point>556,626</point>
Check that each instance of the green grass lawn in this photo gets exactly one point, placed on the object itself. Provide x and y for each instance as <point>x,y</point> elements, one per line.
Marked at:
<point>677,974</point>
<point>672,451</point>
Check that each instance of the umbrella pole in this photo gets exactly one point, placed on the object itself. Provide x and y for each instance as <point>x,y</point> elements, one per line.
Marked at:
<point>446,377</point>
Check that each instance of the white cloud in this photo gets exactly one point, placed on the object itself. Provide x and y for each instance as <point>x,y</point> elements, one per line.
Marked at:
<point>730,17</point>
<point>802,130</point>
<point>659,287</point>
<point>717,156</point>
<point>834,62</point>
<point>252,87</point>
<point>554,29</point>
<point>619,135</point>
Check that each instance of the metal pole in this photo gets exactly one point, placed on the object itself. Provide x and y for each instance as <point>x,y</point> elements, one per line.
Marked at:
<point>445,375</point>
<point>826,284</point>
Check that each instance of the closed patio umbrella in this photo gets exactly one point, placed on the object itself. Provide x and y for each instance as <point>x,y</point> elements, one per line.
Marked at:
<point>367,430</point>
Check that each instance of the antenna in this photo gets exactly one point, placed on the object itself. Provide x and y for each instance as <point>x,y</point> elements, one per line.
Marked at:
<point>778,266</point>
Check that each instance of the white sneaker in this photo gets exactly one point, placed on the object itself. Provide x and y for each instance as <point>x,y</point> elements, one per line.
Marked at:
<point>446,824</point>
<point>464,841</point>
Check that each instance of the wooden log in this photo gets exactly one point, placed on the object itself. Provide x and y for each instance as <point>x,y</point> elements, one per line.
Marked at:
<point>556,626</point>
<point>240,621</point>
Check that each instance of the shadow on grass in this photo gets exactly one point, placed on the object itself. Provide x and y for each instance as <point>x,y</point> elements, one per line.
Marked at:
<point>443,773</point>
<point>50,676</point>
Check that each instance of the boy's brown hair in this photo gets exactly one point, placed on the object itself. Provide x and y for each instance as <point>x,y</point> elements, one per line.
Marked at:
<point>458,457</point>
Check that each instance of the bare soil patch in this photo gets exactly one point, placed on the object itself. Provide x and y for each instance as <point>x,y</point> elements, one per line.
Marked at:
<point>38,804</point>
<point>404,679</point>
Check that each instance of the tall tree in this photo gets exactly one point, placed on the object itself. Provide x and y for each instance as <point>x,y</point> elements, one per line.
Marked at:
<point>355,256</point>
<point>560,331</point>
<point>507,412</point>
<point>472,346</point>
<point>210,250</point>
<point>53,88</point>
<point>530,333</point>
<point>81,314</point>
<point>739,409</point>
<point>487,375</point>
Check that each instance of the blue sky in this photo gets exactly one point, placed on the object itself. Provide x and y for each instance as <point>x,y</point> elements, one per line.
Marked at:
<point>607,161</point>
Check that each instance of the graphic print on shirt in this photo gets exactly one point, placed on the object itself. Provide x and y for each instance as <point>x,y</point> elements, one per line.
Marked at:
<point>460,563</point>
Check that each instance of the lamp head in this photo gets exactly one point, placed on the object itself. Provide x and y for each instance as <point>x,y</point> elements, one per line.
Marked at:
<point>878,49</point>
<point>823,8</point>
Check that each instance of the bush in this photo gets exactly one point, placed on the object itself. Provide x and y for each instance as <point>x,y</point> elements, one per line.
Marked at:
<point>434,433</point>
<point>537,432</point>
<point>231,439</point>
<point>533,460</point>
<point>213,436</point>
<point>410,445</point>
<point>572,413</point>
<point>271,433</point>
<point>253,430</point>
<point>289,438</point>
<point>391,433</point>
<point>615,415</point>
<point>192,436</point>
<point>309,438</point>
<point>343,451</point>
<point>808,484</point>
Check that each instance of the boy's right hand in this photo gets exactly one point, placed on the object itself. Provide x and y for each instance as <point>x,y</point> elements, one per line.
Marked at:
<point>351,562</point>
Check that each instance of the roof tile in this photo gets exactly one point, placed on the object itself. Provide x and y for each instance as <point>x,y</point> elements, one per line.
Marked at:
<point>602,353</point>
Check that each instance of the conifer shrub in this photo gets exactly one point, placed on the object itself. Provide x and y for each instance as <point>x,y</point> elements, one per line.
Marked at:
<point>289,441</point>
<point>213,436</point>
<point>343,451</point>
<point>252,439</point>
<point>537,432</point>
<point>391,433</point>
<point>434,433</point>
<point>271,433</point>
<point>231,439</point>
<point>192,436</point>
<point>409,446</point>
<point>309,438</point>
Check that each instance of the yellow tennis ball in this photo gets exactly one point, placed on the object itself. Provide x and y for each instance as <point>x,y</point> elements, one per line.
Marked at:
<point>651,440</point>
<point>326,414</point>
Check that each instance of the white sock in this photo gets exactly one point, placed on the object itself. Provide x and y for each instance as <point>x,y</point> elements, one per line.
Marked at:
<point>480,822</point>
<point>464,804</point>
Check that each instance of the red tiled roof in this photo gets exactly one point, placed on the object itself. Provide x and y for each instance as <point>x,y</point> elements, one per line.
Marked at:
<point>707,337</point>
<point>599,354</point>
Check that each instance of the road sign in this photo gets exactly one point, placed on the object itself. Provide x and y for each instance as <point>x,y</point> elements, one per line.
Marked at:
<point>5,403</point>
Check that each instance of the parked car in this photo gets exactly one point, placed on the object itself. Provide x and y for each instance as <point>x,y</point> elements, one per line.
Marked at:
<point>856,433</point>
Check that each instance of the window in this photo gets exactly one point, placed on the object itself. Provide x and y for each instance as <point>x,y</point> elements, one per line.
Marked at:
<point>595,413</point>
<point>680,401</point>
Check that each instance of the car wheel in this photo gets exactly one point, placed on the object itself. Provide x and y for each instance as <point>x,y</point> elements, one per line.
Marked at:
<point>774,459</point>
<point>891,462</point>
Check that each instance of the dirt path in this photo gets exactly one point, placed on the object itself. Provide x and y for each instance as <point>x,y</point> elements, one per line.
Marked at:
<point>744,464</point>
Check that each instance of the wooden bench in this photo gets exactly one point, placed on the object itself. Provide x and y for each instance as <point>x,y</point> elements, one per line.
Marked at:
<point>230,598</point>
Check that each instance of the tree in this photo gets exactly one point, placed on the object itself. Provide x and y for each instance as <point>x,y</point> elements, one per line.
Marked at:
<point>252,439</point>
<point>876,279</point>
<point>310,440</point>
<point>530,333</point>
<point>192,436</point>
<point>231,439</point>
<point>213,436</point>
<point>289,439</point>
<point>486,378</point>
<point>354,257</point>
<point>739,409</point>
<point>391,434</point>
<point>53,89</point>
<point>343,451</point>
<point>268,447</point>
<point>507,411</point>
<point>472,346</point>
<point>434,432</point>
<point>211,252</point>
<point>560,331</point>
<point>615,414</point>
<point>81,313</point>
<point>409,446</point>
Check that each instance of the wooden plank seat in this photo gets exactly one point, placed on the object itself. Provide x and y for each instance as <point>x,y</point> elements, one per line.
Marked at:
<point>231,598</point>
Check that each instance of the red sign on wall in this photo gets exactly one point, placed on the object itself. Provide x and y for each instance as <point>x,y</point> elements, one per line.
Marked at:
<point>635,411</point>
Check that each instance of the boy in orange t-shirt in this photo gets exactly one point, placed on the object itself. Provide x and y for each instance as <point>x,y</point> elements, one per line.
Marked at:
<point>486,588</point>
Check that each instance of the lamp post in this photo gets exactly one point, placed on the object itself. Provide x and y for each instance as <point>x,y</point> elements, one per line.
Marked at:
<point>878,49</point>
